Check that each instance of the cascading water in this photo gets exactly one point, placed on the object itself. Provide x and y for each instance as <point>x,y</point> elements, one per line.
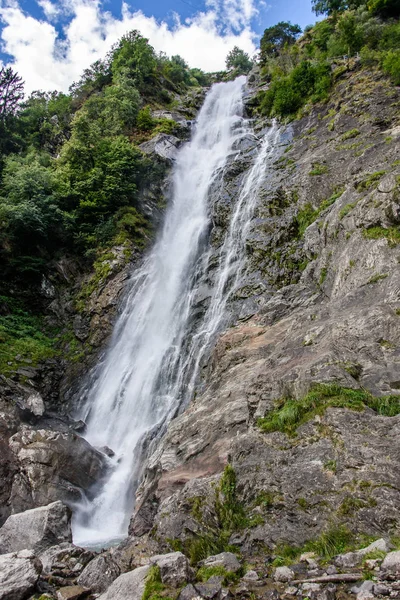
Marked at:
<point>151,365</point>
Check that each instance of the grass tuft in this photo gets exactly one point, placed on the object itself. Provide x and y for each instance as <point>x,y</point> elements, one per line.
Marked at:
<point>289,413</point>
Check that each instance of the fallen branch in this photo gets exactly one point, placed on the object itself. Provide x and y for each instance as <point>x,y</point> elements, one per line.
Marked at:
<point>337,578</point>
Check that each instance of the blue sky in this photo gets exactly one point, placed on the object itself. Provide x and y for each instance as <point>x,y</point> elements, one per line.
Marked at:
<point>50,42</point>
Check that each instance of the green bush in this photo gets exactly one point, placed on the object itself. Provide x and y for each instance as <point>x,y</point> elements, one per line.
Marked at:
<point>391,65</point>
<point>144,120</point>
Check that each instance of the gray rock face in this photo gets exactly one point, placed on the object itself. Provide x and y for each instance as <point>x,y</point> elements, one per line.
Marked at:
<point>36,529</point>
<point>163,146</point>
<point>99,574</point>
<point>19,573</point>
<point>52,466</point>
<point>174,568</point>
<point>130,585</point>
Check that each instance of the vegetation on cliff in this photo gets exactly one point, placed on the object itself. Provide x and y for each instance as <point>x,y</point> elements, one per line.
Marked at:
<point>300,70</point>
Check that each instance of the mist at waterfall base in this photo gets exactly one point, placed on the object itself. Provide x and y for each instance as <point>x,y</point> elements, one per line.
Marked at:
<point>152,363</point>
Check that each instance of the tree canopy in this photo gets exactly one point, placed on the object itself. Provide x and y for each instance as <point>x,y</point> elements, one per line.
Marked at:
<point>277,37</point>
<point>239,61</point>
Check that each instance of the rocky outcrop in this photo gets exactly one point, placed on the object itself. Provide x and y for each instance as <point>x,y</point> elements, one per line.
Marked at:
<point>19,573</point>
<point>52,466</point>
<point>36,529</point>
<point>162,146</point>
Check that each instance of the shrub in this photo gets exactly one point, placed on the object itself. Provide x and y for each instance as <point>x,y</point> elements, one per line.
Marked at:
<point>391,65</point>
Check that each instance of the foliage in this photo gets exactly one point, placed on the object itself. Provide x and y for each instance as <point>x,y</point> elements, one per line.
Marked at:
<point>24,338</point>
<point>275,38</point>
<point>238,61</point>
<point>289,413</point>
<point>289,93</point>
<point>392,234</point>
<point>11,92</point>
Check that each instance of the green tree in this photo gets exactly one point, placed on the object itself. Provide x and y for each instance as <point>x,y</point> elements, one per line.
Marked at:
<point>133,57</point>
<point>239,61</point>
<point>275,38</point>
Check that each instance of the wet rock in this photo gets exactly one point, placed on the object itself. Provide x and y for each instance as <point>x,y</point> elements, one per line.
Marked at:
<point>227,560</point>
<point>36,529</point>
<point>19,573</point>
<point>99,574</point>
<point>283,574</point>
<point>72,592</point>
<point>174,568</point>
<point>130,585</point>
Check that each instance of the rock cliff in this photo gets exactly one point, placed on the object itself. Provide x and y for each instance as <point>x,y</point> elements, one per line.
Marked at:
<point>293,433</point>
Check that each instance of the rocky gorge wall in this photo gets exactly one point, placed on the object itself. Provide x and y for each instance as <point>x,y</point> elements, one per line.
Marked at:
<point>318,304</point>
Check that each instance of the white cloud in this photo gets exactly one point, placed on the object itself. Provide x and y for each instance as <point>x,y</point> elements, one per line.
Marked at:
<point>48,61</point>
<point>49,9</point>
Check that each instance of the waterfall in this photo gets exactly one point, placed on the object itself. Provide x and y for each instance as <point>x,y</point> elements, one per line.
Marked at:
<point>153,359</point>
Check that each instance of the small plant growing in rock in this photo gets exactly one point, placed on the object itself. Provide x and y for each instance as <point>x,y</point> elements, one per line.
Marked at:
<point>352,133</point>
<point>378,277</point>
<point>331,465</point>
<point>318,169</point>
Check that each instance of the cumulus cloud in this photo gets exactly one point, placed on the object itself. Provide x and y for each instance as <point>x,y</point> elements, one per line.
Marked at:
<point>47,60</point>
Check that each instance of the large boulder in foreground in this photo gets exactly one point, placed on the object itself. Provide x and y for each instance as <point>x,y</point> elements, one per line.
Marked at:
<point>99,574</point>
<point>18,575</point>
<point>53,466</point>
<point>130,585</point>
<point>36,529</point>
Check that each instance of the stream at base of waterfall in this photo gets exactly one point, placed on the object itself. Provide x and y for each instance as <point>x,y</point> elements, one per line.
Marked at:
<point>151,365</point>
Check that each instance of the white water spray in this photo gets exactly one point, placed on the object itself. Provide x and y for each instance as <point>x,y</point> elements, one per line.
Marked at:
<point>151,365</point>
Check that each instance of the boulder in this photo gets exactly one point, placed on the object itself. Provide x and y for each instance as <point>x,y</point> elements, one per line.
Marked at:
<point>53,466</point>
<point>189,593</point>
<point>66,555</point>
<point>365,591</point>
<point>174,568</point>
<point>36,529</point>
<point>19,573</point>
<point>130,585</point>
<point>352,559</point>
<point>391,563</point>
<point>99,574</point>
<point>283,574</point>
<point>72,592</point>
<point>228,560</point>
